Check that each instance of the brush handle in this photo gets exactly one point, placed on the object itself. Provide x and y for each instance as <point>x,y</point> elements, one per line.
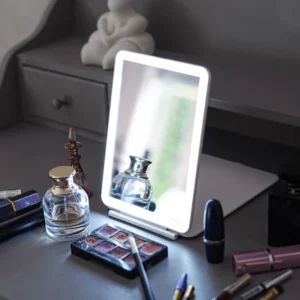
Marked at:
<point>149,295</point>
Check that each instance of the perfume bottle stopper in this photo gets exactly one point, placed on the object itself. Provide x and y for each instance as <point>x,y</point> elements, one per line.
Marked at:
<point>74,157</point>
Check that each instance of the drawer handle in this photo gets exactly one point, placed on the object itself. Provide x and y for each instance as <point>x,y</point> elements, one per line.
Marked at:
<point>57,103</point>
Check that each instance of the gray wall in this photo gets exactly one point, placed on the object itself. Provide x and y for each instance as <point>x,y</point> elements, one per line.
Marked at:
<point>18,19</point>
<point>265,28</point>
<point>262,27</point>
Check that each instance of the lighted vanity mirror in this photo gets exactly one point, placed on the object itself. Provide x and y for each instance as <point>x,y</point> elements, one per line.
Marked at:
<point>154,140</point>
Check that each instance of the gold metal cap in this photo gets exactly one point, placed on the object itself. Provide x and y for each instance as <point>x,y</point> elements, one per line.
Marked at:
<point>62,172</point>
<point>72,135</point>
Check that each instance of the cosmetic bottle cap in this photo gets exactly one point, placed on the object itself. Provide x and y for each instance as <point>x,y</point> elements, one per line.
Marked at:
<point>286,257</point>
<point>214,221</point>
<point>63,183</point>
<point>214,231</point>
<point>27,199</point>
<point>62,172</point>
<point>20,202</point>
<point>252,262</point>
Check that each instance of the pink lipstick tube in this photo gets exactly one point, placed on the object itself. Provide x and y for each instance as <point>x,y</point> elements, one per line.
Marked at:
<point>266,260</point>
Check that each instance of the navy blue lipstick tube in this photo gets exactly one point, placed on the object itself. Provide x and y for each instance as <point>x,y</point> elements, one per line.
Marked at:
<point>214,231</point>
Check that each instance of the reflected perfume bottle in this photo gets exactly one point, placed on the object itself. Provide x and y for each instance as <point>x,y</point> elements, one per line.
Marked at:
<point>133,185</point>
<point>66,206</point>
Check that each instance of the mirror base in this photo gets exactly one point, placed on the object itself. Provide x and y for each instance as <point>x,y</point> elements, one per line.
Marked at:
<point>133,221</point>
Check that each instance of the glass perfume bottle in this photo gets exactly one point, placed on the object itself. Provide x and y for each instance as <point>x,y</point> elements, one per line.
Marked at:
<point>66,206</point>
<point>133,185</point>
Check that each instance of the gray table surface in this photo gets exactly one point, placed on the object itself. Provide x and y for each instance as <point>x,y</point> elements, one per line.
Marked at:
<point>34,267</point>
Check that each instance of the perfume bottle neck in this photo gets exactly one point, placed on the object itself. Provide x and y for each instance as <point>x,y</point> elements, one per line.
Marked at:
<point>63,186</point>
<point>137,170</point>
<point>138,167</point>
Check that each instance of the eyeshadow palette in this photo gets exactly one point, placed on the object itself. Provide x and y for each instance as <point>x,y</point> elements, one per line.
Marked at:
<point>109,245</point>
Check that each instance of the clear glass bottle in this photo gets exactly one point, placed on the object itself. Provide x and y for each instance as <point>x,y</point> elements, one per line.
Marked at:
<point>133,185</point>
<point>66,206</point>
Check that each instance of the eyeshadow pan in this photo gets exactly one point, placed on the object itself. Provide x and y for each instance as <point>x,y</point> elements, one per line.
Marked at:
<point>119,252</point>
<point>120,237</point>
<point>139,242</point>
<point>150,249</point>
<point>104,247</point>
<point>107,231</point>
<point>91,240</point>
<point>130,259</point>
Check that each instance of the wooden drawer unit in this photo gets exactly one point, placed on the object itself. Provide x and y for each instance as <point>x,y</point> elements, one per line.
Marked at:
<point>56,99</point>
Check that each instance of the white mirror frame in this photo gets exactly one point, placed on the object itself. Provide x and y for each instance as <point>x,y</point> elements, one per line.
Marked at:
<point>196,147</point>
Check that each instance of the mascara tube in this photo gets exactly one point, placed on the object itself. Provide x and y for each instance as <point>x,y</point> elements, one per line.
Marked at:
<point>266,285</point>
<point>234,287</point>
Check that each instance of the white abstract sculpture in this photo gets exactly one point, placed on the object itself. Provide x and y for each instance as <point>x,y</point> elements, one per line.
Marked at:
<point>121,28</point>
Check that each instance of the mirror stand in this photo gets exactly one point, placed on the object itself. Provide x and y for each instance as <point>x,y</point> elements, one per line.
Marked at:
<point>232,183</point>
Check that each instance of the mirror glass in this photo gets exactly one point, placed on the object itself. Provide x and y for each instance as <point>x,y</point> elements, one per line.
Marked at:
<point>151,164</point>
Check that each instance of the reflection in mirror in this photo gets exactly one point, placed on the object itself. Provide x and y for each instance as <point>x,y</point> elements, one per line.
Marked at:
<point>153,139</point>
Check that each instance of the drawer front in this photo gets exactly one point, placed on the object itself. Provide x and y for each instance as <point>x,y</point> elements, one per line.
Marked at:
<point>86,106</point>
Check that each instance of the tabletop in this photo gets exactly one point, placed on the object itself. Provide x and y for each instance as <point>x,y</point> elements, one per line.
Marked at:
<point>36,267</point>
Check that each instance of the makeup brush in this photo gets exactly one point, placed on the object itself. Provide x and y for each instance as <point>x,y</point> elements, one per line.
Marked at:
<point>142,273</point>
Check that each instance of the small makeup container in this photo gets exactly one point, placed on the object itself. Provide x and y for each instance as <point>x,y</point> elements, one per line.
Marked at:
<point>109,245</point>
<point>284,208</point>
<point>266,260</point>
<point>214,231</point>
<point>19,214</point>
<point>12,206</point>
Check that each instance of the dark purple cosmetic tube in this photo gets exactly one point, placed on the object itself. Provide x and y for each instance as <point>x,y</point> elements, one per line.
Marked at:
<point>266,260</point>
<point>11,206</point>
